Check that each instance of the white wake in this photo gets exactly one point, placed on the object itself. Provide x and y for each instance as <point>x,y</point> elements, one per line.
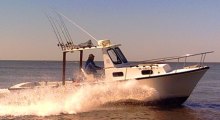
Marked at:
<point>70,100</point>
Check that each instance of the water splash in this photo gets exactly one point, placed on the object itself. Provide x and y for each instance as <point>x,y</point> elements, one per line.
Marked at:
<point>70,99</point>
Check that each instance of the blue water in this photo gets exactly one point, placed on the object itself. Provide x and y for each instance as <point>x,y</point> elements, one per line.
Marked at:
<point>13,72</point>
<point>204,102</point>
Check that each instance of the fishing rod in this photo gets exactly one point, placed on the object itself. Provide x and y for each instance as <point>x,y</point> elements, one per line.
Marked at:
<point>58,32</point>
<point>62,31</point>
<point>75,24</point>
<point>65,28</point>
<point>55,30</point>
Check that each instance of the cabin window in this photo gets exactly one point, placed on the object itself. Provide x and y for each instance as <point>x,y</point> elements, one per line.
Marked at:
<point>118,74</point>
<point>114,57</point>
<point>121,55</point>
<point>146,72</point>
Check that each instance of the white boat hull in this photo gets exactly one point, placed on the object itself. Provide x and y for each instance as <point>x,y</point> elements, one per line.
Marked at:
<point>174,88</point>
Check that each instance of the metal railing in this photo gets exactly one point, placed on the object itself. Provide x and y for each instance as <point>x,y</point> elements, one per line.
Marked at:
<point>178,58</point>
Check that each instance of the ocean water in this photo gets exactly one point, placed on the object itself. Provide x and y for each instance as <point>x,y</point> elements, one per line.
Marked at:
<point>94,102</point>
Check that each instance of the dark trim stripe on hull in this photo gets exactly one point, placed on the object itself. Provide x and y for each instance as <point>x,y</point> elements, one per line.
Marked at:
<point>205,68</point>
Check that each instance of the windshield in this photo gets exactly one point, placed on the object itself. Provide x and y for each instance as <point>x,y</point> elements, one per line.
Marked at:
<point>116,56</point>
<point>121,55</point>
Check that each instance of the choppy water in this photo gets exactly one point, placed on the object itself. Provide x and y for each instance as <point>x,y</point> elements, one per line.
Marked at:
<point>92,102</point>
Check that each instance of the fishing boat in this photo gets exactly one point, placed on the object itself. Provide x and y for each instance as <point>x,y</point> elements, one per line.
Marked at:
<point>174,84</point>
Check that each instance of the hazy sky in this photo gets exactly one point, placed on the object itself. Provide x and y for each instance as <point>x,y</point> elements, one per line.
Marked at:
<point>146,29</point>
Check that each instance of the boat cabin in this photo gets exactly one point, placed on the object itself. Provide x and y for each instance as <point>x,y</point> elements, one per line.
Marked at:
<point>116,65</point>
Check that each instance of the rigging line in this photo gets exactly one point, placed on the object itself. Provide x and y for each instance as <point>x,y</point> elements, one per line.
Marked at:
<point>74,23</point>
<point>53,28</point>
<point>65,28</point>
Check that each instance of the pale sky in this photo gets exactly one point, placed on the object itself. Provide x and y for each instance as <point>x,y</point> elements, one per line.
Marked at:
<point>146,29</point>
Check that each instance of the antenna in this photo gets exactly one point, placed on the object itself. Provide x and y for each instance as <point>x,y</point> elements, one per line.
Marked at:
<point>74,23</point>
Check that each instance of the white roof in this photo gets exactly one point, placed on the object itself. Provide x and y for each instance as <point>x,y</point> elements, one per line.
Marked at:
<point>69,49</point>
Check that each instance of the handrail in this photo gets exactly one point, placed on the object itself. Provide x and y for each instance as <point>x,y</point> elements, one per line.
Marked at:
<point>176,57</point>
<point>202,60</point>
<point>153,62</point>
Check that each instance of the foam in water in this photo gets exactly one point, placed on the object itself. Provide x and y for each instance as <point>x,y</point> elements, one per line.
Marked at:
<point>70,99</point>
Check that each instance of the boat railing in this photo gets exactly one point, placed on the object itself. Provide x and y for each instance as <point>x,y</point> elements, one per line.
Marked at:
<point>182,59</point>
